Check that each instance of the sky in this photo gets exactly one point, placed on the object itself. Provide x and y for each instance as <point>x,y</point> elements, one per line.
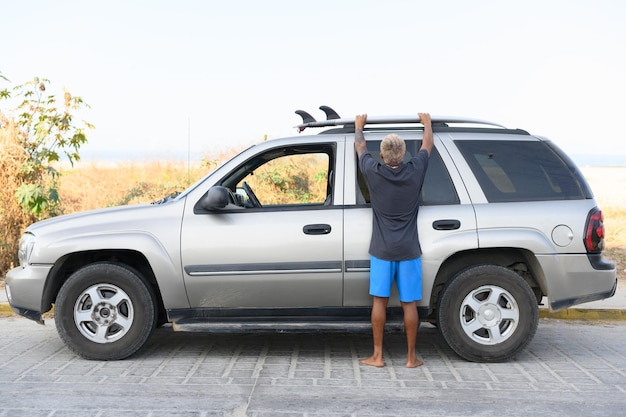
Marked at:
<point>170,78</point>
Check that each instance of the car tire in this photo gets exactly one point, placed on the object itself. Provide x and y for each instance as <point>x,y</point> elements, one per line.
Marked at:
<point>105,311</point>
<point>488,313</point>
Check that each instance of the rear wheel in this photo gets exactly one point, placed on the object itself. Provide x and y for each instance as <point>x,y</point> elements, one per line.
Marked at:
<point>488,313</point>
<point>105,311</point>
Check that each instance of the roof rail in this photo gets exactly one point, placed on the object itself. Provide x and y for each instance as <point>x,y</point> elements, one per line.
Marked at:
<point>381,120</point>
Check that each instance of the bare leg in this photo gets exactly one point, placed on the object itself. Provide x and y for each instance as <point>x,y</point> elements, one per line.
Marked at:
<point>411,322</point>
<point>379,316</point>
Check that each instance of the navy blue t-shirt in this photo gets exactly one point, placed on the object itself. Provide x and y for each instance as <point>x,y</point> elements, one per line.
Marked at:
<point>394,195</point>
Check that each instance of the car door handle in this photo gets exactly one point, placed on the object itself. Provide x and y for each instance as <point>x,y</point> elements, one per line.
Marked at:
<point>446,224</point>
<point>316,229</point>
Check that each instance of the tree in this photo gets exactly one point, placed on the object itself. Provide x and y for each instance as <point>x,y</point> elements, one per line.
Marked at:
<point>36,130</point>
<point>46,131</point>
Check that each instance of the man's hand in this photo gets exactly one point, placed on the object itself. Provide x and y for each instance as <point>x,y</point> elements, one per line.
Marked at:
<point>359,121</point>
<point>425,119</point>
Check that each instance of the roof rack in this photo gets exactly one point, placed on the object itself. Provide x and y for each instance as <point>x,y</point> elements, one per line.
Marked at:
<point>333,119</point>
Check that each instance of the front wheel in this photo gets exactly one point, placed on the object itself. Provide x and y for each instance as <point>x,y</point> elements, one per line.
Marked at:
<point>488,313</point>
<point>105,311</point>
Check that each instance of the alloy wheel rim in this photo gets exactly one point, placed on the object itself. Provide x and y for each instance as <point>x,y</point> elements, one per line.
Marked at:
<point>489,315</point>
<point>103,313</point>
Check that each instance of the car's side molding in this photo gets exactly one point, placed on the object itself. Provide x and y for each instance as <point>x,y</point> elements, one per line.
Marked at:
<point>264,268</point>
<point>358,265</point>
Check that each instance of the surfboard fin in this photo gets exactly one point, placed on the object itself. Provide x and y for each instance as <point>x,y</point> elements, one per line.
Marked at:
<point>330,113</point>
<point>306,117</point>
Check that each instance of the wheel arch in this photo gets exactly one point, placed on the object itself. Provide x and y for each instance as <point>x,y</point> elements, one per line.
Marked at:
<point>521,261</point>
<point>72,262</point>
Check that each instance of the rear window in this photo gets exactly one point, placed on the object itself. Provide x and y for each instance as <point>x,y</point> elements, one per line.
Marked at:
<point>520,171</point>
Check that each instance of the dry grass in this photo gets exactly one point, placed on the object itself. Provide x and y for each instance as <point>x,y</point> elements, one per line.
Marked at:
<point>12,218</point>
<point>91,186</point>
<point>617,255</point>
<point>615,227</point>
<point>607,184</point>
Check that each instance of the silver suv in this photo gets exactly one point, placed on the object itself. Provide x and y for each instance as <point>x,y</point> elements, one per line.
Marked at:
<point>507,219</point>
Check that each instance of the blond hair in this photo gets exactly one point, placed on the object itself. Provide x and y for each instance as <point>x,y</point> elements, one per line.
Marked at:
<point>392,150</point>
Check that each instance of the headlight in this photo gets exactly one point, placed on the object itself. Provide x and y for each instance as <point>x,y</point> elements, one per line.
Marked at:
<point>26,248</point>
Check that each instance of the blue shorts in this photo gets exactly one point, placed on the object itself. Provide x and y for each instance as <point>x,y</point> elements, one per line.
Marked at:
<point>406,274</point>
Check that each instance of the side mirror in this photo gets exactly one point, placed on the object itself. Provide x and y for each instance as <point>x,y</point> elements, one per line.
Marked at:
<point>217,198</point>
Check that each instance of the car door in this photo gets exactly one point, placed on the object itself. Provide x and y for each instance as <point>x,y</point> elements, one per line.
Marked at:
<point>286,253</point>
<point>446,221</point>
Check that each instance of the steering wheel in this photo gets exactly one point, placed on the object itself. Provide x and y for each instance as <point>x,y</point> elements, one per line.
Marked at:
<point>251,196</point>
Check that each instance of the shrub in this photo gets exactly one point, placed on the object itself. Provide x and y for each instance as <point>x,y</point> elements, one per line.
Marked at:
<point>13,219</point>
<point>36,130</point>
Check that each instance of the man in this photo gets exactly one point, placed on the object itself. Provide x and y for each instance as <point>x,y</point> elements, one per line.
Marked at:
<point>394,248</point>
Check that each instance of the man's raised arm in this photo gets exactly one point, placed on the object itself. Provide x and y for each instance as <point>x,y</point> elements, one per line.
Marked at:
<point>359,138</point>
<point>427,141</point>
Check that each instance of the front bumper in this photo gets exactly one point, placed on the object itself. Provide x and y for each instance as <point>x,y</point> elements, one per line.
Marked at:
<point>24,288</point>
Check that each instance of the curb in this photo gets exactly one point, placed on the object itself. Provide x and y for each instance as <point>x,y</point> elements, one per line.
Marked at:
<point>584,314</point>
<point>5,309</point>
<point>568,314</point>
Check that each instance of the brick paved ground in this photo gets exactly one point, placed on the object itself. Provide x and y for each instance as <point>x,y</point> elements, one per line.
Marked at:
<point>570,368</point>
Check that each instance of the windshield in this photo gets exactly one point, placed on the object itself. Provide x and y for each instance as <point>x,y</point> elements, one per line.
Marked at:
<point>200,181</point>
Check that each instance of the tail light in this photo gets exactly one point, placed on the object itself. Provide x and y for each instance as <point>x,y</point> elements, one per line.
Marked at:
<point>594,231</point>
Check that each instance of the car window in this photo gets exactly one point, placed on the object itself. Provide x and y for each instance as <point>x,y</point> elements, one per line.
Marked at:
<point>285,177</point>
<point>438,188</point>
<point>520,171</point>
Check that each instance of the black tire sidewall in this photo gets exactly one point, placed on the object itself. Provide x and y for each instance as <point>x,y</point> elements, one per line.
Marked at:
<point>139,293</point>
<point>463,284</point>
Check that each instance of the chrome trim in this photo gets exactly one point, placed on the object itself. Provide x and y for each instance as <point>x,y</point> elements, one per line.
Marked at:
<point>265,268</point>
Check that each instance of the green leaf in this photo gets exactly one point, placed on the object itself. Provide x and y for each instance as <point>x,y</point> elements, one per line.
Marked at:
<point>53,156</point>
<point>47,132</point>
<point>53,195</point>
<point>31,198</point>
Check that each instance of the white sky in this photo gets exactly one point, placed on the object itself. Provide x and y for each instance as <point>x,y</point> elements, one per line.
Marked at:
<point>237,70</point>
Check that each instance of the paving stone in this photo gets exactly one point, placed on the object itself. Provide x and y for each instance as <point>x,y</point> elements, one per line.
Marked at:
<point>570,368</point>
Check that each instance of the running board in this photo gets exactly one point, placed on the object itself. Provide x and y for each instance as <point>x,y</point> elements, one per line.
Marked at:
<point>279,326</point>
<point>283,320</point>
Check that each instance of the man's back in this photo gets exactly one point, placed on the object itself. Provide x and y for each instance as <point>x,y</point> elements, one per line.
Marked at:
<point>394,197</point>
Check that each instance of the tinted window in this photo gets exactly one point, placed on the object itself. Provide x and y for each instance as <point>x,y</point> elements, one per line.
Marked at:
<point>437,189</point>
<point>520,171</point>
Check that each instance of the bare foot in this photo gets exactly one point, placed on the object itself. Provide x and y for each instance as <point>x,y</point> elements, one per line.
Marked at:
<point>373,361</point>
<point>414,363</point>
